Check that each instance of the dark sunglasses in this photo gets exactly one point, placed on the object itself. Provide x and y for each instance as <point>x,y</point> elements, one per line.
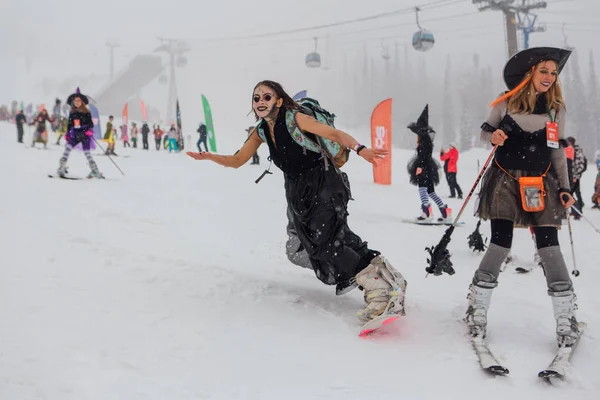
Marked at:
<point>266,97</point>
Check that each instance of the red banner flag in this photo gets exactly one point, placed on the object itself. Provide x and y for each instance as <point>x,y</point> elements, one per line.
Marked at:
<point>381,138</point>
<point>125,117</point>
<point>144,113</point>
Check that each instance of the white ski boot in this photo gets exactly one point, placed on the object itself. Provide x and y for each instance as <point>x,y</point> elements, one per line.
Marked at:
<point>385,289</point>
<point>62,168</point>
<point>479,303</point>
<point>95,172</point>
<point>567,328</point>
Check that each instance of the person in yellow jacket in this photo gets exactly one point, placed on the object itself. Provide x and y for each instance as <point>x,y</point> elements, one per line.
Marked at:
<point>109,136</point>
<point>62,129</point>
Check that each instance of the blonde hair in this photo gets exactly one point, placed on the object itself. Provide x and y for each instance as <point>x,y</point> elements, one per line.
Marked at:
<point>83,109</point>
<point>522,99</point>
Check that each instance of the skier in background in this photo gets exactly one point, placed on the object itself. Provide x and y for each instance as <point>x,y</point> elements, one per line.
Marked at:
<point>203,136</point>
<point>596,195</point>
<point>20,121</point>
<point>80,129</point>
<point>134,134</point>
<point>423,169</point>
<point>173,137</point>
<point>145,132</point>
<point>109,137</point>
<point>61,130</point>
<point>579,167</point>
<point>125,136</point>
<point>56,114</point>
<point>41,132</point>
<point>158,134</point>
<point>450,159</point>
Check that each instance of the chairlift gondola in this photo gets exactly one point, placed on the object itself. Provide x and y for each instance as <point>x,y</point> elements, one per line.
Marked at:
<point>422,40</point>
<point>313,59</point>
<point>181,61</point>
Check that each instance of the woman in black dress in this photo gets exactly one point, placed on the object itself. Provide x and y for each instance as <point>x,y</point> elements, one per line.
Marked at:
<point>317,197</point>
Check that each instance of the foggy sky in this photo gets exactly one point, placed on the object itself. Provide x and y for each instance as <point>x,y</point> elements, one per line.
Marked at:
<point>67,37</point>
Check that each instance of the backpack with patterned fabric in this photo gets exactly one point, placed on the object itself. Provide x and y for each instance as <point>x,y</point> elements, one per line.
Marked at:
<point>334,151</point>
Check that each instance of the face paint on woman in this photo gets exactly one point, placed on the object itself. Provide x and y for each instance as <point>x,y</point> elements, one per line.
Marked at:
<point>264,103</point>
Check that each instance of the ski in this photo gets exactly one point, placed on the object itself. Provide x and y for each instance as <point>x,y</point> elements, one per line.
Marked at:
<point>487,360</point>
<point>72,178</point>
<point>560,366</point>
<point>114,155</point>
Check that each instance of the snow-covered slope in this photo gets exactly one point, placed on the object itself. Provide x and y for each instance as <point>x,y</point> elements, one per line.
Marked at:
<point>172,283</point>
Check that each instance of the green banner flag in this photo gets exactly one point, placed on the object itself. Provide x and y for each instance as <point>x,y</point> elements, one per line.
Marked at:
<point>210,130</point>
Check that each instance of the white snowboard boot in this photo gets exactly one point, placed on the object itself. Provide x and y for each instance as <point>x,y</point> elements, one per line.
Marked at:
<point>385,289</point>
<point>479,303</point>
<point>567,328</point>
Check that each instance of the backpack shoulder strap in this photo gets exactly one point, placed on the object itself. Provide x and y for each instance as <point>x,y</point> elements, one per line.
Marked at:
<point>261,131</point>
<point>297,134</point>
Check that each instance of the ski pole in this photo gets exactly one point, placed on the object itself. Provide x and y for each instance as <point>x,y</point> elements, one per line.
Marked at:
<point>475,185</point>
<point>109,157</point>
<point>575,271</point>
<point>585,218</point>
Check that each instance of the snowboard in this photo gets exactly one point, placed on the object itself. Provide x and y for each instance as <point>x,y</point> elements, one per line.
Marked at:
<point>429,223</point>
<point>377,323</point>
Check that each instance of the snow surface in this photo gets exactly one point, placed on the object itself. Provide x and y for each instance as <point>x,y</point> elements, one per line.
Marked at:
<point>172,283</point>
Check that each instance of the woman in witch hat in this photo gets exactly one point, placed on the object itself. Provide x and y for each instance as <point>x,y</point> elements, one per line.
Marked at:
<point>527,184</point>
<point>423,169</point>
<point>79,130</point>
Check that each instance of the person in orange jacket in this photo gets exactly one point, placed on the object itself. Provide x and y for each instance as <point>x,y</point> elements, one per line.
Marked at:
<point>450,159</point>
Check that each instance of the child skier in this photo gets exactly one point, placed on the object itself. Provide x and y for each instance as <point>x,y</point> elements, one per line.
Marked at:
<point>79,130</point>
<point>423,169</point>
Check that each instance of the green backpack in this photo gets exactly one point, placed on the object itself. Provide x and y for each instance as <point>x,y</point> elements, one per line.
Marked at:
<point>336,152</point>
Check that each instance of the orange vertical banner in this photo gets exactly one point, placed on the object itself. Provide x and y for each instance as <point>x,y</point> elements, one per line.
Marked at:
<point>381,138</point>
<point>144,113</point>
<point>125,117</point>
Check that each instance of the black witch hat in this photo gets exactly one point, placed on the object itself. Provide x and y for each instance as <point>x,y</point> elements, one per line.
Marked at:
<point>522,62</point>
<point>77,94</point>
<point>421,127</point>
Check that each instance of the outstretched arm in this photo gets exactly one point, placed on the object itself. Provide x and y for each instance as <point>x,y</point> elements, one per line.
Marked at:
<point>240,158</point>
<point>309,124</point>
